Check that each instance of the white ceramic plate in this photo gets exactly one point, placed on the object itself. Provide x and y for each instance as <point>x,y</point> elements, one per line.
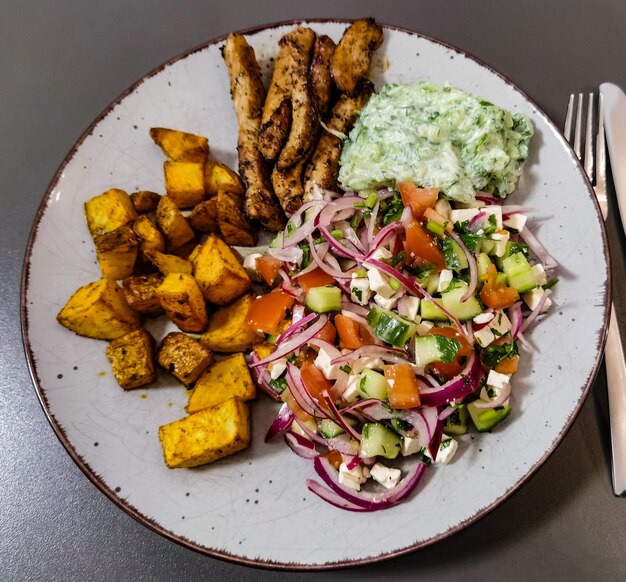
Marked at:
<point>254,508</point>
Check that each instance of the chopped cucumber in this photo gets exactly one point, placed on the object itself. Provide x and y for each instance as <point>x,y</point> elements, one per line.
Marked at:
<point>488,246</point>
<point>391,327</point>
<point>435,348</point>
<point>435,228</point>
<point>329,429</point>
<point>519,272</point>
<point>456,423</point>
<point>378,440</point>
<point>485,419</point>
<point>277,242</point>
<point>430,311</point>
<point>501,280</point>
<point>483,262</point>
<point>323,299</point>
<point>372,384</point>
<point>455,257</point>
<point>432,283</point>
<point>464,311</point>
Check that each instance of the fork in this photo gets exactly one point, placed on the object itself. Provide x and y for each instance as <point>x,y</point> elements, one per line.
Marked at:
<point>595,167</point>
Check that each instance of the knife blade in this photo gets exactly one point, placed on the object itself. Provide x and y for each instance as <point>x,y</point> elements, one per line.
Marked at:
<point>614,104</point>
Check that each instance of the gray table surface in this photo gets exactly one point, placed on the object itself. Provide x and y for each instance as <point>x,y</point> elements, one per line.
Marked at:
<point>61,63</point>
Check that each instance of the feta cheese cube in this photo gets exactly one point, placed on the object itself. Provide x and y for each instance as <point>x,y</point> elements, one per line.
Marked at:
<point>408,306</point>
<point>382,253</point>
<point>362,363</point>
<point>386,476</point>
<point>379,283</point>
<point>410,446</point>
<point>424,326</point>
<point>360,291</point>
<point>277,367</point>
<point>484,317</point>
<point>532,298</point>
<point>515,222</point>
<point>323,363</point>
<point>500,324</point>
<point>249,264</point>
<point>351,392</point>
<point>539,273</point>
<point>500,238</point>
<point>389,303</point>
<point>462,215</point>
<point>497,380</point>
<point>352,478</point>
<point>447,449</point>
<point>445,278</point>
<point>484,336</point>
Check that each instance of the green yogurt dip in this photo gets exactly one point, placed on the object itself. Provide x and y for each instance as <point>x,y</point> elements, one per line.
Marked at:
<point>435,136</point>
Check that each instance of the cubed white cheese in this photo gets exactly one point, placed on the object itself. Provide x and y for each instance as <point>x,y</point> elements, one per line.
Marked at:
<point>365,362</point>
<point>249,264</point>
<point>446,451</point>
<point>388,303</point>
<point>379,283</point>
<point>485,317</point>
<point>532,298</point>
<point>442,206</point>
<point>497,380</point>
<point>424,326</point>
<point>493,210</point>
<point>462,215</point>
<point>351,392</point>
<point>410,446</point>
<point>445,278</point>
<point>386,476</point>
<point>515,222</point>
<point>352,478</point>
<point>500,324</point>
<point>323,363</point>
<point>500,239</point>
<point>382,253</point>
<point>360,291</point>
<point>408,306</point>
<point>277,367</point>
<point>539,273</point>
<point>484,336</point>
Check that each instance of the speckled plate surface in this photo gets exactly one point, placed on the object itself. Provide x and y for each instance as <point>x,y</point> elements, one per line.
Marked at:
<point>253,508</point>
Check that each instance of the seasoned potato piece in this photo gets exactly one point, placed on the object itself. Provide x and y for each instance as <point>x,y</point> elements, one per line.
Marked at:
<point>228,331</point>
<point>184,183</point>
<point>150,237</point>
<point>109,211</point>
<point>99,310</point>
<point>183,302</point>
<point>208,435</point>
<point>167,264</point>
<point>132,359</point>
<point>183,357</point>
<point>219,177</point>
<point>203,217</point>
<point>116,252</point>
<point>173,224</point>
<point>180,146</point>
<point>233,222</point>
<point>353,54</point>
<point>225,379</point>
<point>262,350</point>
<point>145,201</point>
<point>140,294</point>
<point>218,272</point>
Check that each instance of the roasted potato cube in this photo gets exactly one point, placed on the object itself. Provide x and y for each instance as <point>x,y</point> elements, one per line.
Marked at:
<point>234,225</point>
<point>99,310</point>
<point>226,379</point>
<point>145,201</point>
<point>218,272</point>
<point>167,264</point>
<point>203,217</point>
<point>262,350</point>
<point>183,302</point>
<point>116,252</point>
<point>184,183</point>
<point>109,211</point>
<point>219,177</point>
<point>132,359</point>
<point>173,224</point>
<point>208,435</point>
<point>228,331</point>
<point>183,357</point>
<point>140,294</point>
<point>180,146</point>
<point>150,237</point>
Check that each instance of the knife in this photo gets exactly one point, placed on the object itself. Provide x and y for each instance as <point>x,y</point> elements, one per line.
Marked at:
<point>614,104</point>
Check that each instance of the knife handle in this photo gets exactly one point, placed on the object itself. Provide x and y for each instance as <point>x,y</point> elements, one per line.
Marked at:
<point>616,383</point>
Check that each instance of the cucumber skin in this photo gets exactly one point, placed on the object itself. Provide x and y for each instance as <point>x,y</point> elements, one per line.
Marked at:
<point>431,312</point>
<point>379,441</point>
<point>426,350</point>
<point>323,299</point>
<point>463,311</point>
<point>486,419</point>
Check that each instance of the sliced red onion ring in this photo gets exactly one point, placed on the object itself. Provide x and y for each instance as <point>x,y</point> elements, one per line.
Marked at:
<point>407,216</point>
<point>460,386</point>
<point>435,427</point>
<point>333,498</point>
<point>282,423</point>
<point>326,216</point>
<point>338,418</point>
<point>515,317</point>
<point>293,343</point>
<point>533,242</point>
<point>350,234</point>
<point>302,447</point>
<point>504,395</point>
<point>487,198</point>
<point>476,222</point>
<point>371,224</point>
<point>381,237</point>
<point>302,396</point>
<point>524,342</point>
<point>446,412</point>
<point>342,444</point>
<point>311,434</point>
<point>303,231</point>
<point>353,308</point>
<point>536,311</point>
<point>395,355</point>
<point>471,261</point>
<point>416,419</point>
<point>261,373</point>
<point>511,209</point>
<point>287,286</point>
<point>295,327</point>
<point>326,268</point>
<point>287,255</point>
<point>339,248</point>
<point>353,462</point>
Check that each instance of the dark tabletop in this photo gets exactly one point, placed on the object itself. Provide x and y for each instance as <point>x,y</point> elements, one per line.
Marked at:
<point>61,63</point>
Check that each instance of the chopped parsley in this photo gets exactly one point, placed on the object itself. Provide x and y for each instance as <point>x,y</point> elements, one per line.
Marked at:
<point>493,354</point>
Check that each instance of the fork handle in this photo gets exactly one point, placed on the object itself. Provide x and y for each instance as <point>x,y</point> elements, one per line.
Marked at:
<point>616,382</point>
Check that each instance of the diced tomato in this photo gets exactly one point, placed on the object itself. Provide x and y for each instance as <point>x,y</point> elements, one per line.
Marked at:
<point>328,333</point>
<point>419,199</point>
<point>268,268</point>
<point>446,371</point>
<point>334,458</point>
<point>267,311</point>
<point>453,333</point>
<point>315,382</point>
<point>494,295</point>
<point>449,370</point>
<point>508,366</point>
<point>314,278</point>
<point>402,387</point>
<point>290,401</point>
<point>421,246</point>
<point>352,335</point>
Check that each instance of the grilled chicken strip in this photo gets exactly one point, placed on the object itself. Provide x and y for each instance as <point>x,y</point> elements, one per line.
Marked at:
<point>353,54</point>
<point>323,166</point>
<point>248,95</point>
<point>321,78</point>
<point>288,187</point>
<point>276,119</point>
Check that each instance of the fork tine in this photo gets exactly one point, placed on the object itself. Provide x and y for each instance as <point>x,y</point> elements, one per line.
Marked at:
<point>589,157</point>
<point>600,150</point>
<point>568,119</point>
<point>578,126</point>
